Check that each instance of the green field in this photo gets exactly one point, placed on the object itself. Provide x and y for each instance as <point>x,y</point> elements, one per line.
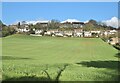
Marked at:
<point>58,59</point>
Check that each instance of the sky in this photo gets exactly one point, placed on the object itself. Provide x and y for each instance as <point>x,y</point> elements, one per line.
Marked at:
<point>60,0</point>
<point>30,11</point>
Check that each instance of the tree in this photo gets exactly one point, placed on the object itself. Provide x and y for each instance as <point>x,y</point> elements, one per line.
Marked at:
<point>91,25</point>
<point>88,27</point>
<point>1,24</point>
<point>53,24</point>
<point>38,26</point>
<point>1,27</point>
<point>31,27</point>
<point>23,24</point>
<point>18,25</point>
<point>6,30</point>
<point>94,22</point>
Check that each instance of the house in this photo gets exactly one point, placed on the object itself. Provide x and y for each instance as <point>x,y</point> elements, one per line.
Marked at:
<point>25,28</point>
<point>44,23</point>
<point>96,33</point>
<point>71,23</point>
<point>47,33</point>
<point>78,32</point>
<point>87,34</point>
<point>59,34</point>
<point>77,24</point>
<point>68,33</point>
<point>51,32</point>
<point>112,31</point>
<point>38,31</point>
<point>106,33</point>
<point>114,41</point>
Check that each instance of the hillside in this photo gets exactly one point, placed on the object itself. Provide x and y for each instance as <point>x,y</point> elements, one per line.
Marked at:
<point>58,58</point>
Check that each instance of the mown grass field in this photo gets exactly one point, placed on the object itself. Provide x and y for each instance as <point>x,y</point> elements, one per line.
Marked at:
<point>58,59</point>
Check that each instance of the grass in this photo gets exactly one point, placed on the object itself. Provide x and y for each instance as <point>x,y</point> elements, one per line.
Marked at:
<point>58,59</point>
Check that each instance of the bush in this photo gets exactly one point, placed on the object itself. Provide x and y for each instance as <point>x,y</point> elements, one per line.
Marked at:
<point>7,31</point>
<point>31,31</point>
<point>94,34</point>
<point>117,46</point>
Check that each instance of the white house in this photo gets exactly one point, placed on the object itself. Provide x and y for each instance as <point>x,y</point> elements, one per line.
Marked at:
<point>72,23</point>
<point>68,33</point>
<point>114,41</point>
<point>23,30</point>
<point>38,31</point>
<point>59,34</point>
<point>47,33</point>
<point>106,33</point>
<point>87,34</point>
<point>96,32</point>
<point>78,34</point>
<point>112,31</point>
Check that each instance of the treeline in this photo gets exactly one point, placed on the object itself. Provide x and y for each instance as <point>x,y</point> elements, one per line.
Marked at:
<point>94,25</point>
<point>6,30</point>
<point>53,24</point>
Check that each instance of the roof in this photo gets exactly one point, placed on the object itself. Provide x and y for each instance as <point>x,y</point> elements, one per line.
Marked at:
<point>70,21</point>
